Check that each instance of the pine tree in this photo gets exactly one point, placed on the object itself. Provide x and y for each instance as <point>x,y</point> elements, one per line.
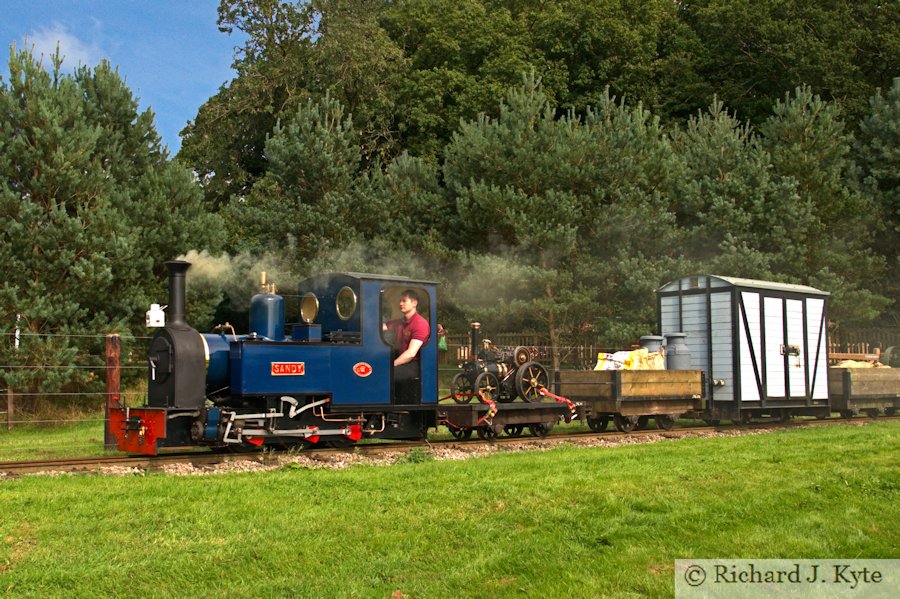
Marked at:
<point>91,208</point>
<point>306,204</point>
<point>877,157</point>
<point>809,146</point>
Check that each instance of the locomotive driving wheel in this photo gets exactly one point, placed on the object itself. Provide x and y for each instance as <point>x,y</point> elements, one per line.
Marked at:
<point>461,389</point>
<point>531,377</point>
<point>488,384</point>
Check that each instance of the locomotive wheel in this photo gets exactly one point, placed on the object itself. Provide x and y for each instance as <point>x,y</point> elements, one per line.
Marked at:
<point>487,383</point>
<point>460,434</point>
<point>642,422</point>
<point>489,433</point>
<point>712,421</point>
<point>521,355</point>
<point>531,377</point>
<point>341,443</point>
<point>239,448</point>
<point>664,422</point>
<point>540,430</point>
<point>598,424</point>
<point>461,385</point>
<point>514,430</point>
<point>624,424</point>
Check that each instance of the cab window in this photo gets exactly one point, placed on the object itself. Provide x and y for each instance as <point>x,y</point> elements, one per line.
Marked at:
<point>390,308</point>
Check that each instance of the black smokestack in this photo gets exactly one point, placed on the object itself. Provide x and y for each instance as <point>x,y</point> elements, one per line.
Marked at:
<point>177,268</point>
<point>476,338</point>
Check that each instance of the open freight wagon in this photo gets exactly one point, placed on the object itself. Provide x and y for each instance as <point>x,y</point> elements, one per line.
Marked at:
<point>631,397</point>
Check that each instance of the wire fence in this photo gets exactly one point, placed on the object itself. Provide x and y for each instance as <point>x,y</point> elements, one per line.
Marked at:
<point>72,388</point>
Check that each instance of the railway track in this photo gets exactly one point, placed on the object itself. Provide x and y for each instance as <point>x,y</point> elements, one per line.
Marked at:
<point>199,459</point>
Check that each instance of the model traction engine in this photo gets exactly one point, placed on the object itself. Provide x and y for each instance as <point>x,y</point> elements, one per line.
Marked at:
<point>499,374</point>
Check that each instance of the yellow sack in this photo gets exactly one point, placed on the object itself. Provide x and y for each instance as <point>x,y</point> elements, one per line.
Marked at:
<point>638,359</point>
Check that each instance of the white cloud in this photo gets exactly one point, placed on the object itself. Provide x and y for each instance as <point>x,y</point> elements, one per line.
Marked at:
<point>74,50</point>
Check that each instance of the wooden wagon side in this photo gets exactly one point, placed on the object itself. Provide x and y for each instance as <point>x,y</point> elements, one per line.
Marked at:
<point>631,397</point>
<point>870,390</point>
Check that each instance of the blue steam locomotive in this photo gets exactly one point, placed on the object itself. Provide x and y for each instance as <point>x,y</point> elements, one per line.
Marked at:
<point>326,378</point>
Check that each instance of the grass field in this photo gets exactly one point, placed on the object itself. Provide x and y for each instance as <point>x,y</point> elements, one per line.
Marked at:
<point>569,522</point>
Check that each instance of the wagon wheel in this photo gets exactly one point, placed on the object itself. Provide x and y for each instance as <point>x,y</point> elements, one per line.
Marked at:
<point>745,418</point>
<point>642,422</point>
<point>458,433</point>
<point>531,377</point>
<point>521,355</point>
<point>598,424</point>
<point>873,412</point>
<point>624,424</point>
<point>540,430</point>
<point>847,414</point>
<point>489,432</point>
<point>487,383</point>
<point>665,421</point>
<point>460,388</point>
<point>514,430</point>
<point>712,421</point>
<point>786,416</point>
<point>890,411</point>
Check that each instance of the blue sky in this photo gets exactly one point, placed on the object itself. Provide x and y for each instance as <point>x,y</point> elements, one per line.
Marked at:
<point>171,53</point>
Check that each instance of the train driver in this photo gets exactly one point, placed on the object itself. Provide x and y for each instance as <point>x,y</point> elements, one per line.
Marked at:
<point>410,333</point>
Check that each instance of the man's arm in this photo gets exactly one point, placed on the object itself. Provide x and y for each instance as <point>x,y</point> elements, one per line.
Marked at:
<point>410,354</point>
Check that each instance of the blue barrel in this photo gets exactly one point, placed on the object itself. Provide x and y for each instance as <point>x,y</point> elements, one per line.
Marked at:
<point>678,356</point>
<point>267,316</point>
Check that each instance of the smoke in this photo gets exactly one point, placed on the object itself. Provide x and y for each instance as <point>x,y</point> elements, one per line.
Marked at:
<point>236,277</point>
<point>376,257</point>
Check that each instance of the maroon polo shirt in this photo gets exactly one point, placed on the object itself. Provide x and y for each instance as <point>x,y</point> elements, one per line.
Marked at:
<point>407,330</point>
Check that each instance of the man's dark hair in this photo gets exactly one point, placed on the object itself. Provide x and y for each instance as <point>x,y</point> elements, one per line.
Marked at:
<point>409,293</point>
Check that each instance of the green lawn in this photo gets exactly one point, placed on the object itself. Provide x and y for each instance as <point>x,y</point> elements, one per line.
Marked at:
<point>35,442</point>
<point>582,522</point>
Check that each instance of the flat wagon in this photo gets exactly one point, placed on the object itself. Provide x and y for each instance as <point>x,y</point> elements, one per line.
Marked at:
<point>631,397</point>
<point>873,391</point>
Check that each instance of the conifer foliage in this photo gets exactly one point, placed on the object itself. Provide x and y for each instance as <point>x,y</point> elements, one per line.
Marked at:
<point>91,206</point>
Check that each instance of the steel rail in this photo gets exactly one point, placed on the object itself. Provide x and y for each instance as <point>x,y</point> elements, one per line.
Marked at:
<point>200,457</point>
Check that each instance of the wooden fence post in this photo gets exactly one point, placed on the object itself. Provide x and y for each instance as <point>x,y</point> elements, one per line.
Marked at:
<point>10,409</point>
<point>113,385</point>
